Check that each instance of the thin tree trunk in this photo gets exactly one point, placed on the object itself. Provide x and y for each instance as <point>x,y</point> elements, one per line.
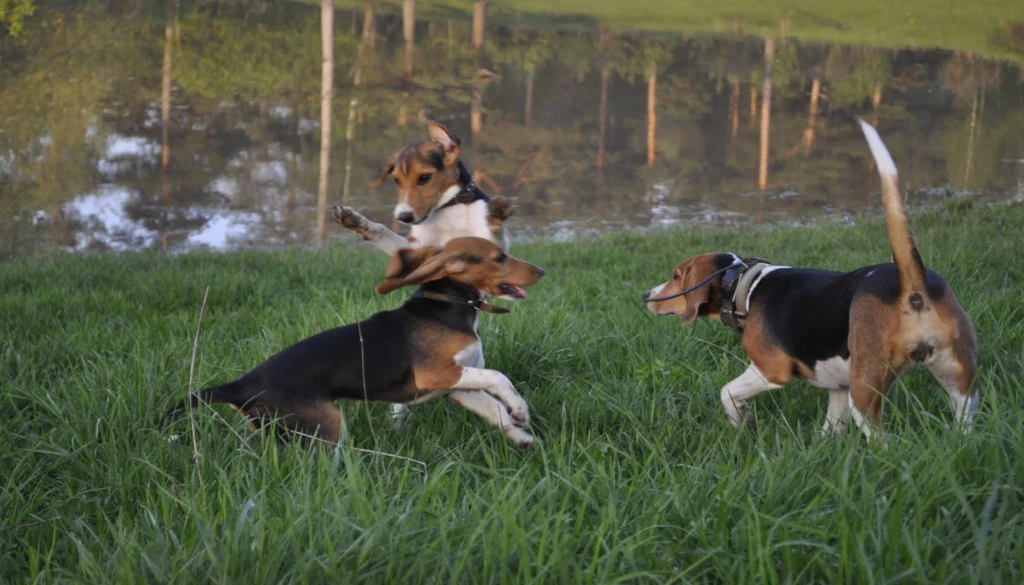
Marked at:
<point>290,204</point>
<point>812,116</point>
<point>652,121</point>
<point>479,10</point>
<point>766,113</point>
<point>972,127</point>
<point>753,105</point>
<point>369,26</point>
<point>876,100</point>
<point>476,106</point>
<point>734,108</point>
<point>529,96</point>
<point>353,104</point>
<point>602,117</point>
<point>409,32</point>
<point>326,95</point>
<point>165,102</point>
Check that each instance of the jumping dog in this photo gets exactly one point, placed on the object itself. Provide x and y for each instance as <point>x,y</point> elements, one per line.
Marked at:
<point>437,197</point>
<point>852,333</point>
<point>425,349</point>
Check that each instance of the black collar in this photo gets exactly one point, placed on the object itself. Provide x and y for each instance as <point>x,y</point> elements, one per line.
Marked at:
<point>733,313</point>
<point>479,303</point>
<point>469,192</point>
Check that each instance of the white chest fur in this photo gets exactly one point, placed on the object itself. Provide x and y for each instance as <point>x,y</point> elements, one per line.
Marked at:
<point>453,222</point>
<point>833,373</point>
<point>471,356</point>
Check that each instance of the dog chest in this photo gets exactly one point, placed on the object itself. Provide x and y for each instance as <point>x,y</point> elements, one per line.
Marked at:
<point>452,222</point>
<point>472,356</point>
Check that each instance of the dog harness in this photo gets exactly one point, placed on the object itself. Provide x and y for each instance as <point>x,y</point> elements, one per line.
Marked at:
<point>737,282</point>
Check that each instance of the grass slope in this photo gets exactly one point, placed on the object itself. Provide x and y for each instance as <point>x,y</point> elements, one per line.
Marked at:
<point>637,477</point>
<point>991,28</point>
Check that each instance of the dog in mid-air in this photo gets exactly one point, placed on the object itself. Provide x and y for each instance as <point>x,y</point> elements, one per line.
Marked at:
<point>438,197</point>
<point>852,333</point>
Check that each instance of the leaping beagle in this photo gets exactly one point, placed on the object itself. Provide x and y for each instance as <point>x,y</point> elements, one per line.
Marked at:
<point>425,349</point>
<point>437,197</point>
<point>852,333</point>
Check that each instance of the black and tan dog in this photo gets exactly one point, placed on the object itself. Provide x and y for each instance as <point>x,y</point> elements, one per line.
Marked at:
<point>425,349</point>
<point>437,197</point>
<point>853,333</point>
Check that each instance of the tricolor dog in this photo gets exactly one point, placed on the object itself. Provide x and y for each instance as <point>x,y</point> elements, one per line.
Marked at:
<point>852,333</point>
<point>437,198</point>
<point>425,349</point>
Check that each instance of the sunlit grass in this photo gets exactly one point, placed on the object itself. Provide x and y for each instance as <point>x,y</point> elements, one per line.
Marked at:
<point>990,28</point>
<point>637,476</point>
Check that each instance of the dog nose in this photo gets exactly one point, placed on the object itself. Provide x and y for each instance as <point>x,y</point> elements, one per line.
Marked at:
<point>406,217</point>
<point>646,295</point>
<point>540,271</point>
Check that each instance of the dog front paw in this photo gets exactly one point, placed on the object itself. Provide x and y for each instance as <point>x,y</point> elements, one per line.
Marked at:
<point>349,218</point>
<point>519,412</point>
<point>520,438</point>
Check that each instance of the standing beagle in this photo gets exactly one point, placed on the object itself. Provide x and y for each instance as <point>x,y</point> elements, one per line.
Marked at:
<point>437,197</point>
<point>425,349</point>
<point>852,333</point>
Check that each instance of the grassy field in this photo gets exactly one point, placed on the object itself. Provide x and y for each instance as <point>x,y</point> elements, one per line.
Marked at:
<point>991,28</point>
<point>637,478</point>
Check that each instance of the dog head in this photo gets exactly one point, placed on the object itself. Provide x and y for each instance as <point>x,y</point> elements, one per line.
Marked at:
<point>426,173</point>
<point>702,301</point>
<point>476,262</point>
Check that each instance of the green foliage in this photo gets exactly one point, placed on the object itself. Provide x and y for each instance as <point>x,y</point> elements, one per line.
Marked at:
<point>13,14</point>
<point>222,57</point>
<point>637,476</point>
<point>854,83</point>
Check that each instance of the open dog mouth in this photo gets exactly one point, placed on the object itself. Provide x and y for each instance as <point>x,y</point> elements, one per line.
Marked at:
<point>511,291</point>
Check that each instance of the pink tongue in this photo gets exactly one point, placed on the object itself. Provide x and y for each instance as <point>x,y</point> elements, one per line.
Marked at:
<point>518,290</point>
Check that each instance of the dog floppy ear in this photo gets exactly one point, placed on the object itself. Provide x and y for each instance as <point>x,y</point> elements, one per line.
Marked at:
<point>413,266</point>
<point>441,135</point>
<point>382,174</point>
<point>692,274</point>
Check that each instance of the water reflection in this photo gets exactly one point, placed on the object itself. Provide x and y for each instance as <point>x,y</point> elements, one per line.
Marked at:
<point>158,125</point>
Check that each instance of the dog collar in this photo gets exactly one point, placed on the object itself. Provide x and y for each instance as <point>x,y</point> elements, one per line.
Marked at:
<point>479,304</point>
<point>735,289</point>
<point>469,192</point>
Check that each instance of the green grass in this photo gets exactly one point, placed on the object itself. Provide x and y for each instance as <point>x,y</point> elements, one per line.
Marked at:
<point>637,478</point>
<point>993,29</point>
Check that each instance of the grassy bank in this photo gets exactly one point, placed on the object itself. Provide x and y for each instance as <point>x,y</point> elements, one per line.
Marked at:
<point>993,29</point>
<point>637,477</point>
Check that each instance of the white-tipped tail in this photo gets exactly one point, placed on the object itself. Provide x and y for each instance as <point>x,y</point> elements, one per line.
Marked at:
<point>878,150</point>
<point>909,267</point>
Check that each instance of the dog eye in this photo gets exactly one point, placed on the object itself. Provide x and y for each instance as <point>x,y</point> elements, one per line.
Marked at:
<point>424,179</point>
<point>675,276</point>
<point>501,259</point>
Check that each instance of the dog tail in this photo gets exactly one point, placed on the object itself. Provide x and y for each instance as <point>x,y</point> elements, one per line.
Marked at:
<point>216,394</point>
<point>909,266</point>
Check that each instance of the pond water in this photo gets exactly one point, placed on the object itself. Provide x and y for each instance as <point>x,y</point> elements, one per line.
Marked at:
<point>188,125</point>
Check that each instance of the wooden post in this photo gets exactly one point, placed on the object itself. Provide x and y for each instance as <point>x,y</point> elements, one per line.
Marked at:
<point>326,96</point>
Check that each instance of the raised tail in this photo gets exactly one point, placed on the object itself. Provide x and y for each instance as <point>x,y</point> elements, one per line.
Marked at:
<point>909,266</point>
<point>216,394</point>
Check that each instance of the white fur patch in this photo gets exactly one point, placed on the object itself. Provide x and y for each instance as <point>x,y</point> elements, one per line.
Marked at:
<point>453,222</point>
<point>833,373</point>
<point>401,208</point>
<point>471,356</point>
